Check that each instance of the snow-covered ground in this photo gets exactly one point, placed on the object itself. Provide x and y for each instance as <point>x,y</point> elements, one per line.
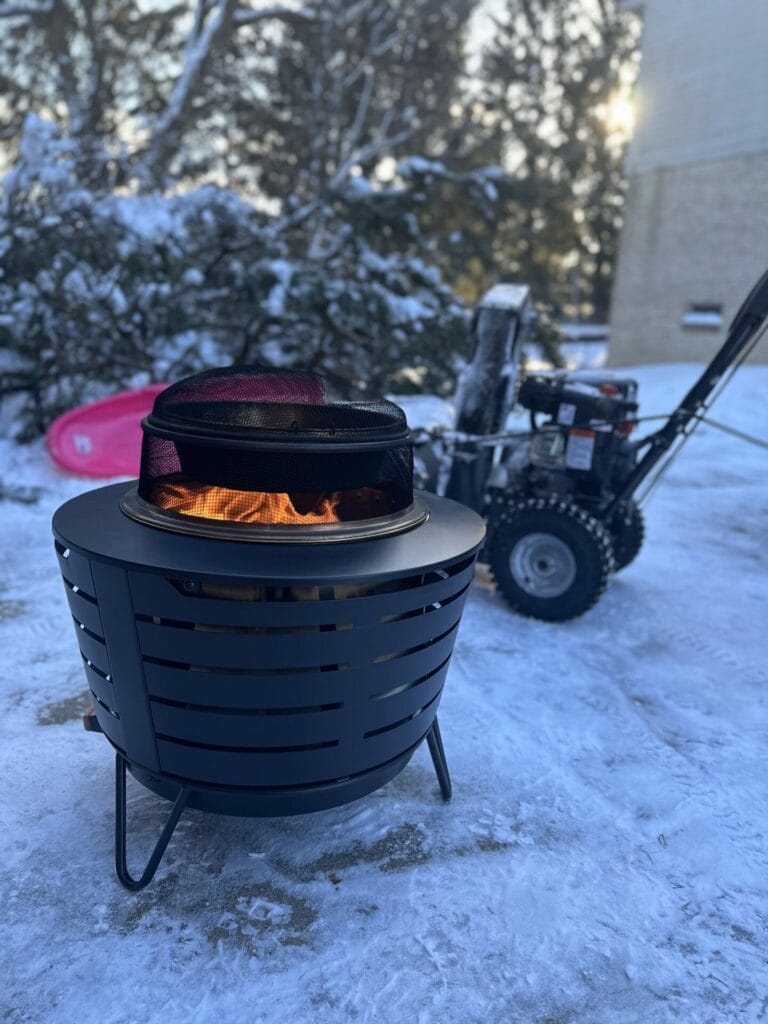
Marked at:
<point>604,859</point>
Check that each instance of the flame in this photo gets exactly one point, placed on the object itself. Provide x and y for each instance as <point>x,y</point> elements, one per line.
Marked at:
<point>190,498</point>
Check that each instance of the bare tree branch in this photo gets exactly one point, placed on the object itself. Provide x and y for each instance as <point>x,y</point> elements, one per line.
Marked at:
<point>94,92</point>
<point>57,27</point>
<point>353,133</point>
<point>381,143</point>
<point>170,124</point>
<point>275,11</point>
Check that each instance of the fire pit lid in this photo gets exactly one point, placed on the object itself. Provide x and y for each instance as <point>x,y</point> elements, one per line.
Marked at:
<point>265,405</point>
<point>244,449</point>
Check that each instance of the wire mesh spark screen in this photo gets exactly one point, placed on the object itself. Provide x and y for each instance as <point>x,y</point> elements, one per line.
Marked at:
<point>255,445</point>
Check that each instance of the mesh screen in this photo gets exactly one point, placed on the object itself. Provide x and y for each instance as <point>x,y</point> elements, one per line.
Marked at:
<point>282,404</point>
<point>294,457</point>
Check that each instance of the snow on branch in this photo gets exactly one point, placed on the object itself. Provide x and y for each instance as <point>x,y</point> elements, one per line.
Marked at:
<point>203,40</point>
<point>16,11</point>
<point>382,142</point>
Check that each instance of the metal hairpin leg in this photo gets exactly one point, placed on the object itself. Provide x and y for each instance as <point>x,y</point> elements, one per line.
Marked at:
<point>435,744</point>
<point>121,866</point>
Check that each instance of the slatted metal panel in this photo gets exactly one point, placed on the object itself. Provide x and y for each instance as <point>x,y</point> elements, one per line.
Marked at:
<point>291,766</point>
<point>75,568</point>
<point>254,688</point>
<point>303,686</point>
<point>240,686</point>
<point>80,591</point>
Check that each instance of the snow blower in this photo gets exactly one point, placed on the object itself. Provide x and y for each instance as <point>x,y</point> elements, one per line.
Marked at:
<point>563,500</point>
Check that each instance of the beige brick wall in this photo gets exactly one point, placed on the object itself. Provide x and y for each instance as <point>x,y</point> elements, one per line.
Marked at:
<point>696,217</point>
<point>692,234</point>
<point>702,91</point>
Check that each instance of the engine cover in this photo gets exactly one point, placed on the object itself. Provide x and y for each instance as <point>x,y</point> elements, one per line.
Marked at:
<point>579,401</point>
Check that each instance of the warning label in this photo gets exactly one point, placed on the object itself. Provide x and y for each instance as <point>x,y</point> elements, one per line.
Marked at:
<point>580,449</point>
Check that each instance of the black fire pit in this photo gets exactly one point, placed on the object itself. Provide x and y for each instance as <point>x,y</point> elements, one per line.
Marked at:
<point>284,661</point>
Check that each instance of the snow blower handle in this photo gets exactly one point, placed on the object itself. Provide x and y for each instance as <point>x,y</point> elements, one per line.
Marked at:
<point>744,332</point>
<point>755,306</point>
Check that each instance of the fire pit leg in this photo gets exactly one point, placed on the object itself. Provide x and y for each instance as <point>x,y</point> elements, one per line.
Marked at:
<point>435,744</point>
<point>121,865</point>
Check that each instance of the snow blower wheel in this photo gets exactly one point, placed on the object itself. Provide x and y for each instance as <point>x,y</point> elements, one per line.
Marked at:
<point>627,534</point>
<point>551,560</point>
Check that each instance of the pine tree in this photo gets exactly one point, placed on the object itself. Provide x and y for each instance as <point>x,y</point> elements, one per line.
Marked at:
<point>548,78</point>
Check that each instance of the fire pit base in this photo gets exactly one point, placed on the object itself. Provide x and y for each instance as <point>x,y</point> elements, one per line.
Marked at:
<point>267,804</point>
<point>262,679</point>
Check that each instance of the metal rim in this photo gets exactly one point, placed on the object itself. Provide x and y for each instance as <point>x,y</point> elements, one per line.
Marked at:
<point>212,437</point>
<point>137,508</point>
<point>542,565</point>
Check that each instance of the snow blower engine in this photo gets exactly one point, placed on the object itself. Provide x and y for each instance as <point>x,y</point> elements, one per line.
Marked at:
<point>563,498</point>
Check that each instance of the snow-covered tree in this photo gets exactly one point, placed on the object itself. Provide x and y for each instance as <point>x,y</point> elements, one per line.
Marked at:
<point>129,83</point>
<point>351,84</point>
<point>100,291</point>
<point>298,183</point>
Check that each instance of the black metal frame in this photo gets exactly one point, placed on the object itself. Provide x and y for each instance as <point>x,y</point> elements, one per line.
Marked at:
<point>126,879</point>
<point>121,862</point>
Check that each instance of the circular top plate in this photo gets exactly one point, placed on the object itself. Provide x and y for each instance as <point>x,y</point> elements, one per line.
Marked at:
<point>94,524</point>
<point>259,533</point>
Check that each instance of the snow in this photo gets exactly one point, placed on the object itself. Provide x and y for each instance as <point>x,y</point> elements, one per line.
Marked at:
<point>701,318</point>
<point>505,296</point>
<point>411,165</point>
<point>358,187</point>
<point>43,158</point>
<point>426,411</point>
<point>604,858</point>
<point>275,303</point>
<point>406,309</point>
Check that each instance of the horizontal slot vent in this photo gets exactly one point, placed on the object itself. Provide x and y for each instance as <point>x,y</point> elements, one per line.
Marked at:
<point>268,630</point>
<point>402,721</point>
<point>434,607</point>
<point>397,690</point>
<point>156,596</point>
<point>75,568</point>
<point>96,669</point>
<point>300,748</point>
<point>93,648</point>
<point>419,647</point>
<point>88,632</point>
<point>294,787</point>
<point>329,627</point>
<point>256,672</point>
<point>109,710</point>
<point>80,592</point>
<point>211,709</point>
<point>328,592</point>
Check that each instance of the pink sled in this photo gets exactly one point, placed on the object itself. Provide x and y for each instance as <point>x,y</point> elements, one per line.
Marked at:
<point>103,438</point>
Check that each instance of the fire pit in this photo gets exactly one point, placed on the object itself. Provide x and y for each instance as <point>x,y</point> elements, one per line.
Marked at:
<point>266,619</point>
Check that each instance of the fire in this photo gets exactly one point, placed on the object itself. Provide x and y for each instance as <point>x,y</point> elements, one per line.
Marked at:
<point>190,498</point>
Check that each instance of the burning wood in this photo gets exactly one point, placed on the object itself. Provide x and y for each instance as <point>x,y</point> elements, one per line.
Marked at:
<point>190,498</point>
<point>205,501</point>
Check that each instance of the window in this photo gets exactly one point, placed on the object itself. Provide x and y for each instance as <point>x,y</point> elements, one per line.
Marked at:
<point>704,316</point>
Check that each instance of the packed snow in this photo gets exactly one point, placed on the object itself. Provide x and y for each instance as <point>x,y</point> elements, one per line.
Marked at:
<point>603,861</point>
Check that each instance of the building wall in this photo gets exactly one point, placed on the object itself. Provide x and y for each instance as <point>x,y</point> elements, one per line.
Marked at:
<point>694,234</point>
<point>696,219</point>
